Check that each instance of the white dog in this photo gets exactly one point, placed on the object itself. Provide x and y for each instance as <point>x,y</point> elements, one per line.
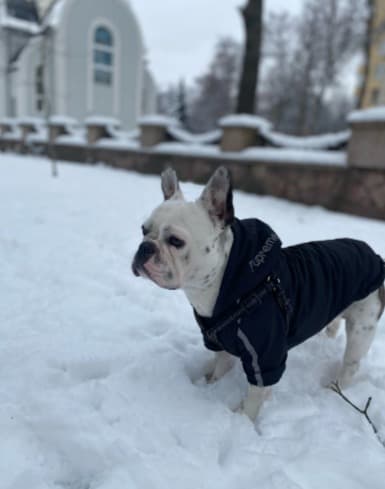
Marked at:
<point>252,298</point>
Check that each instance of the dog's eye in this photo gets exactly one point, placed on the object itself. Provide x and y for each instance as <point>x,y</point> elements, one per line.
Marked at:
<point>144,230</point>
<point>175,242</point>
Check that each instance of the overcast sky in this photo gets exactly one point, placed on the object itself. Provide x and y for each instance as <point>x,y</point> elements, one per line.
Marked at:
<point>180,35</point>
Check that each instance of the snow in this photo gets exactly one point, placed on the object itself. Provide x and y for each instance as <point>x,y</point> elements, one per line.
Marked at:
<point>41,136</point>
<point>301,156</point>
<point>187,137</point>
<point>323,141</point>
<point>75,138</point>
<point>62,120</point>
<point>14,135</point>
<point>99,120</point>
<point>245,120</point>
<point>118,144</point>
<point>374,114</point>
<point>158,120</point>
<point>122,135</point>
<point>14,132</point>
<point>31,121</point>
<point>257,154</point>
<point>10,121</point>
<point>100,371</point>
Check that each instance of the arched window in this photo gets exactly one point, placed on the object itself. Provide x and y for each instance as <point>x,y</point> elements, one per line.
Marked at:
<point>103,36</point>
<point>103,55</point>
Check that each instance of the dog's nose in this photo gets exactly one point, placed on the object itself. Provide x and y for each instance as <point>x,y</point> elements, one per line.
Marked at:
<point>145,252</point>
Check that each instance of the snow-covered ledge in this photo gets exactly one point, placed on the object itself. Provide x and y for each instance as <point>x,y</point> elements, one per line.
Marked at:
<point>7,125</point>
<point>98,127</point>
<point>241,131</point>
<point>29,125</point>
<point>367,144</point>
<point>59,126</point>
<point>153,129</point>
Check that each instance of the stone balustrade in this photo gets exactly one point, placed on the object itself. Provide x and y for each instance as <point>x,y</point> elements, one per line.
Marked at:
<point>153,130</point>
<point>241,131</point>
<point>366,147</point>
<point>98,128</point>
<point>349,181</point>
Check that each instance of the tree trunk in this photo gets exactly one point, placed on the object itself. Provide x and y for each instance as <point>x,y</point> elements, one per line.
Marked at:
<point>367,48</point>
<point>247,95</point>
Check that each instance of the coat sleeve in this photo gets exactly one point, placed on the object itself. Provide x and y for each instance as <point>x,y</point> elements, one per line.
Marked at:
<point>263,347</point>
<point>211,345</point>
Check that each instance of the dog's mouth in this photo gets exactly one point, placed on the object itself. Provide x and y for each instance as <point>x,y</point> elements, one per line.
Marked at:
<point>140,271</point>
<point>145,270</point>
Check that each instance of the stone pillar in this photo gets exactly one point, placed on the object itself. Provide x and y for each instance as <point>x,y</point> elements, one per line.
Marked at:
<point>28,125</point>
<point>98,128</point>
<point>153,129</point>
<point>12,132</point>
<point>5,126</point>
<point>58,126</point>
<point>26,128</point>
<point>241,131</point>
<point>366,148</point>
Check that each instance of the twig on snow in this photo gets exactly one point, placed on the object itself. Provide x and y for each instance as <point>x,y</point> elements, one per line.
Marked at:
<point>334,386</point>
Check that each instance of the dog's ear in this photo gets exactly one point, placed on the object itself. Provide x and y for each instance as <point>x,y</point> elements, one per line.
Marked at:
<point>170,185</point>
<point>217,197</point>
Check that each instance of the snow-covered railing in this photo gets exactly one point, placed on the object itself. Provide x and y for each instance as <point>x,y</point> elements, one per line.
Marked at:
<point>66,131</point>
<point>244,131</point>
<point>33,130</point>
<point>10,130</point>
<point>157,129</point>
<point>332,141</point>
<point>367,144</point>
<point>244,137</point>
<point>180,135</point>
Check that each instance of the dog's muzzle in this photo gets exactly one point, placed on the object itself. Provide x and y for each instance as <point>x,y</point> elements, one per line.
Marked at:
<point>145,251</point>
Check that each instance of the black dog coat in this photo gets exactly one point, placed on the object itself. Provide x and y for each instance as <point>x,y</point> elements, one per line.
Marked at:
<point>274,298</point>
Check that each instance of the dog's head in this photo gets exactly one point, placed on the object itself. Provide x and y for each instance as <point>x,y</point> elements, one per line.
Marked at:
<point>183,241</point>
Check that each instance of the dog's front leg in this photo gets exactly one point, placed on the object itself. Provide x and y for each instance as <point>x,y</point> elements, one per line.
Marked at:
<point>254,400</point>
<point>222,363</point>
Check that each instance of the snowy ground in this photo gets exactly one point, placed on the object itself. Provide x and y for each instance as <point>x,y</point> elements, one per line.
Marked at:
<point>96,387</point>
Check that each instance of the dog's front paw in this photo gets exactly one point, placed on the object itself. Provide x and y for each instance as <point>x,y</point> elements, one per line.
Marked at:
<point>218,367</point>
<point>209,370</point>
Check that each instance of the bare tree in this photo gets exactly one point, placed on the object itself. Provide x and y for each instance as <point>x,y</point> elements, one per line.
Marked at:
<point>280,83</point>
<point>252,19</point>
<point>182,104</point>
<point>167,101</point>
<point>305,65</point>
<point>214,91</point>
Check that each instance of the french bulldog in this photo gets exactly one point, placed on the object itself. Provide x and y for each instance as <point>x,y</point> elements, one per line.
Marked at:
<point>252,298</point>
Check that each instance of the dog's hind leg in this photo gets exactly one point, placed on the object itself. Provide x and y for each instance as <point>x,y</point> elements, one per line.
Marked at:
<point>361,323</point>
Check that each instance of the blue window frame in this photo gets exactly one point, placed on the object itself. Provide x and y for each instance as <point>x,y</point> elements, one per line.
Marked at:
<point>102,76</point>
<point>103,36</point>
<point>103,55</point>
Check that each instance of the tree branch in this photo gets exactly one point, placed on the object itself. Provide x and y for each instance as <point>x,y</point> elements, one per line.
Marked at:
<point>334,386</point>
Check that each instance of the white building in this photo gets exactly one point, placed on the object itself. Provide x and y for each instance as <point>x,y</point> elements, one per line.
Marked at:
<point>85,57</point>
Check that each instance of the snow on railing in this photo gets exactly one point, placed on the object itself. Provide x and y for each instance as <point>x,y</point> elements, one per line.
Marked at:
<point>373,114</point>
<point>14,132</point>
<point>324,141</point>
<point>180,135</point>
<point>114,136</point>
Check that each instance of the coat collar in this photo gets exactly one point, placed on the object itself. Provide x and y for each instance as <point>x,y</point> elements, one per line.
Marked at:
<point>253,256</point>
